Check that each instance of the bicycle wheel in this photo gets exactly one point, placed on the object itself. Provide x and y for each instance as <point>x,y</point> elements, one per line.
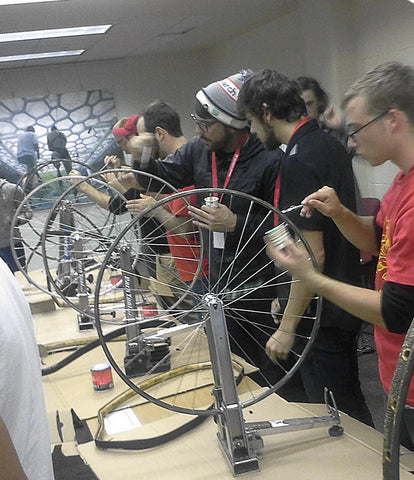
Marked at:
<point>44,171</point>
<point>77,235</point>
<point>240,276</point>
<point>29,233</point>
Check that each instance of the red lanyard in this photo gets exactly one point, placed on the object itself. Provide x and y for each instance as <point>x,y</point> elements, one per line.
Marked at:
<point>279,180</point>
<point>231,167</point>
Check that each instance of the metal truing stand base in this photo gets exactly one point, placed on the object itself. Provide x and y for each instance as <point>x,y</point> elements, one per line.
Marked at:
<point>85,323</point>
<point>241,442</point>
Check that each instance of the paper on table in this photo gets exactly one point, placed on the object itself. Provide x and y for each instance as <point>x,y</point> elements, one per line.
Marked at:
<point>121,421</point>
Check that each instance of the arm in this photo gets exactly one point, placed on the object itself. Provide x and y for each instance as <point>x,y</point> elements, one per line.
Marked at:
<point>360,302</point>
<point>357,230</point>
<point>280,343</point>
<point>100,198</point>
<point>176,224</point>
<point>10,466</point>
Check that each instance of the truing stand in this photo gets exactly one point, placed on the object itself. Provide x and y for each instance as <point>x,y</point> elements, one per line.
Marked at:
<point>241,442</point>
<point>84,319</point>
<point>142,355</point>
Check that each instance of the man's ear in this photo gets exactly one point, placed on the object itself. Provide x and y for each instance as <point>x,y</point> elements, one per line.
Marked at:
<point>160,133</point>
<point>267,116</point>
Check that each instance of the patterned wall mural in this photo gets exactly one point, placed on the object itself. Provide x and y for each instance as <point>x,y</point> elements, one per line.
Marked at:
<point>86,118</point>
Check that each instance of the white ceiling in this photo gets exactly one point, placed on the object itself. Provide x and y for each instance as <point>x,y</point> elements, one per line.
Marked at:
<point>140,27</point>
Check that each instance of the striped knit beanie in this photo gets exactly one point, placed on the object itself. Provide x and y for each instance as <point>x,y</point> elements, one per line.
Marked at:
<point>220,100</point>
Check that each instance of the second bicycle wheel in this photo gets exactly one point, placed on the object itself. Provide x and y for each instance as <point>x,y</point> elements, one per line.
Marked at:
<point>173,363</point>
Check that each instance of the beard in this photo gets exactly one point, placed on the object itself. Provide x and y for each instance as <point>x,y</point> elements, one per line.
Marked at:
<point>224,144</point>
<point>270,142</point>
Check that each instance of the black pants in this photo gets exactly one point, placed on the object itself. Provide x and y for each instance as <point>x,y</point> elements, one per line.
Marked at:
<point>250,325</point>
<point>332,362</point>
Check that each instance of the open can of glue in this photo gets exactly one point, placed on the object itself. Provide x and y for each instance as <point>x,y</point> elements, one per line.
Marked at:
<point>102,376</point>
<point>279,235</point>
<point>211,202</point>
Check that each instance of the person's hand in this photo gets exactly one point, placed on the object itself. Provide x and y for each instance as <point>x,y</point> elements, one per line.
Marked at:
<point>220,219</point>
<point>332,117</point>
<point>324,200</point>
<point>73,173</point>
<point>140,204</point>
<point>129,180</point>
<point>141,146</point>
<point>279,344</point>
<point>112,161</point>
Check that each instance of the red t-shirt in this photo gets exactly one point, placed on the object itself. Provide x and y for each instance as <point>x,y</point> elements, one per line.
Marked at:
<point>395,264</point>
<point>185,249</point>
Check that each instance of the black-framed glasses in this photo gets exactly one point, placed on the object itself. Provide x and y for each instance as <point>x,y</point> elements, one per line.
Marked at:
<point>375,119</point>
<point>203,125</point>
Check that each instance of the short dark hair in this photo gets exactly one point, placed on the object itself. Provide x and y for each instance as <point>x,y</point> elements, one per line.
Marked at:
<point>162,114</point>
<point>278,92</point>
<point>386,86</point>
<point>30,128</point>
<point>309,83</point>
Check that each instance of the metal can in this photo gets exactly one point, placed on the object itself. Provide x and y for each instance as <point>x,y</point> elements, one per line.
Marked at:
<point>149,310</point>
<point>278,235</point>
<point>102,376</point>
<point>211,202</point>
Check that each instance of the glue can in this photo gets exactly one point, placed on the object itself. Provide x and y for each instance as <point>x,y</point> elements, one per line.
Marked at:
<point>278,235</point>
<point>211,202</point>
<point>102,376</point>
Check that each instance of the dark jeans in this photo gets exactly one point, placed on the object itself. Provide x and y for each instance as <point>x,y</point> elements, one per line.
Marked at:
<point>250,325</point>
<point>29,161</point>
<point>333,363</point>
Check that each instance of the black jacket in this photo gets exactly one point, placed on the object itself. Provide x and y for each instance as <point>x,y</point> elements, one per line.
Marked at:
<point>315,158</point>
<point>255,173</point>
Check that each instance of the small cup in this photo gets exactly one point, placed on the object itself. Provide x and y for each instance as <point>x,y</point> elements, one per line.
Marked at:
<point>211,202</point>
<point>102,377</point>
<point>278,235</point>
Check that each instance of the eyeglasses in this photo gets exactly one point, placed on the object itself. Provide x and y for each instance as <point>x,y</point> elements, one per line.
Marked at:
<point>375,119</point>
<point>203,125</point>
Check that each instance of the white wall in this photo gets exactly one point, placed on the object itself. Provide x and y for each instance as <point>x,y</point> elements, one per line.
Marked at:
<point>332,40</point>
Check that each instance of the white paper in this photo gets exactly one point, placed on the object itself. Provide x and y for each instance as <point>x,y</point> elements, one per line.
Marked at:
<point>218,240</point>
<point>121,421</point>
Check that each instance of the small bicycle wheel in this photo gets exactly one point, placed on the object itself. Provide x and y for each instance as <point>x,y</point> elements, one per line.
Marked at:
<point>29,233</point>
<point>44,171</point>
<point>77,235</point>
<point>239,275</point>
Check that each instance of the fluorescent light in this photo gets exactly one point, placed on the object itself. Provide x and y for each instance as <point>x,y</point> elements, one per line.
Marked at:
<point>36,56</point>
<point>54,33</point>
<point>18,2</point>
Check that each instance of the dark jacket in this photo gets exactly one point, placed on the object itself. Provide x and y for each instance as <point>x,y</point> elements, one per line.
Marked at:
<point>315,158</point>
<point>255,173</point>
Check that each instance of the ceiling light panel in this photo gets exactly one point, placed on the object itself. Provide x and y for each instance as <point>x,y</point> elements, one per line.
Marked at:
<point>37,56</point>
<point>54,33</point>
<point>19,2</point>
